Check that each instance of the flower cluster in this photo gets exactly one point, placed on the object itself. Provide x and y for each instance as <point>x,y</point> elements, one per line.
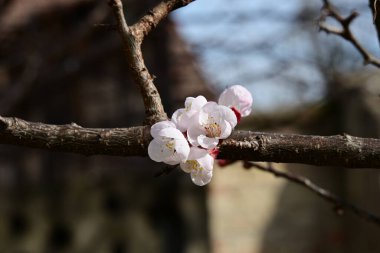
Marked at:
<point>192,135</point>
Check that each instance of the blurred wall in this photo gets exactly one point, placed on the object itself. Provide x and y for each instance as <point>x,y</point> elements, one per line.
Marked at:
<point>302,221</point>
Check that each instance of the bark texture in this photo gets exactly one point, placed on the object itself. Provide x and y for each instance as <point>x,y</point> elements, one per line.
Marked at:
<point>375,8</point>
<point>338,150</point>
<point>74,138</point>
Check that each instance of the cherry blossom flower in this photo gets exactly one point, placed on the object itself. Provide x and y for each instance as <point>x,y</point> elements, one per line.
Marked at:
<point>191,137</point>
<point>238,98</point>
<point>182,117</point>
<point>212,123</point>
<point>169,145</point>
<point>199,164</point>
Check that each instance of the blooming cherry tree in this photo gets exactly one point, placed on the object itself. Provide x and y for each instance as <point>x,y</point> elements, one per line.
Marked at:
<point>192,136</point>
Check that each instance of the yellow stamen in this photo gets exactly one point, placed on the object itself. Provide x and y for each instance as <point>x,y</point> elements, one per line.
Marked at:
<point>195,166</point>
<point>188,107</point>
<point>213,130</point>
<point>170,145</point>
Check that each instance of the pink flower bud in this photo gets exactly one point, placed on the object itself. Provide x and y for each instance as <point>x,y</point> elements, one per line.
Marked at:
<point>237,97</point>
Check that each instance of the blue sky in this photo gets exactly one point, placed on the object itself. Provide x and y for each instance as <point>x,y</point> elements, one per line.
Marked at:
<point>230,37</point>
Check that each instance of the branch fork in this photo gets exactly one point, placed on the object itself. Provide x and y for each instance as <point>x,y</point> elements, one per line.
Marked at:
<point>328,10</point>
<point>132,37</point>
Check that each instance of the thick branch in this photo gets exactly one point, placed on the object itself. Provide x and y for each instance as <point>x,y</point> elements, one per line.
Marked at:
<point>75,139</point>
<point>154,110</point>
<point>154,16</point>
<point>329,10</point>
<point>339,203</point>
<point>344,150</point>
<point>338,150</point>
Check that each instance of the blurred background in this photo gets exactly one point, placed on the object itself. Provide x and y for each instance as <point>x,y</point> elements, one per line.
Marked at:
<point>61,61</point>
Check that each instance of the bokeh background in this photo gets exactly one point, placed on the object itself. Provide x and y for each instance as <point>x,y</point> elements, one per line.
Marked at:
<point>61,61</point>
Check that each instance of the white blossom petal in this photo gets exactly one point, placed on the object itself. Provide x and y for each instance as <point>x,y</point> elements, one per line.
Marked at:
<point>156,128</point>
<point>202,178</point>
<point>200,166</point>
<point>182,149</point>
<point>228,115</point>
<point>169,145</point>
<point>193,132</point>
<point>206,161</point>
<point>207,142</point>
<point>171,132</point>
<point>183,117</point>
<point>238,97</point>
<point>197,153</point>
<point>195,104</point>
<point>174,159</point>
<point>189,103</point>
<point>212,112</point>
<point>214,122</point>
<point>186,166</point>
<point>208,112</point>
<point>226,129</point>
<point>158,151</point>
<point>180,119</point>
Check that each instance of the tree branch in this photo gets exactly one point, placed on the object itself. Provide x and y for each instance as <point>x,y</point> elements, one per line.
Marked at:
<point>341,150</point>
<point>75,139</point>
<point>375,8</point>
<point>153,17</point>
<point>329,10</point>
<point>339,203</point>
<point>154,110</point>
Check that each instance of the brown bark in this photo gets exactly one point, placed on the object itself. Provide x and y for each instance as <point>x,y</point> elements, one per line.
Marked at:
<point>154,110</point>
<point>375,8</point>
<point>339,150</point>
<point>148,22</point>
<point>75,139</point>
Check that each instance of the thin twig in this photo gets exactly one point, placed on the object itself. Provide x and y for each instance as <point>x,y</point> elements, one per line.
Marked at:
<point>374,10</point>
<point>132,37</point>
<point>339,203</point>
<point>329,10</point>
<point>148,22</point>
<point>154,110</point>
<point>375,7</point>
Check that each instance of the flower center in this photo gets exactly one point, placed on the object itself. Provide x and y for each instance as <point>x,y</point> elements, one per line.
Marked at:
<point>170,145</point>
<point>194,165</point>
<point>213,130</point>
<point>188,107</point>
